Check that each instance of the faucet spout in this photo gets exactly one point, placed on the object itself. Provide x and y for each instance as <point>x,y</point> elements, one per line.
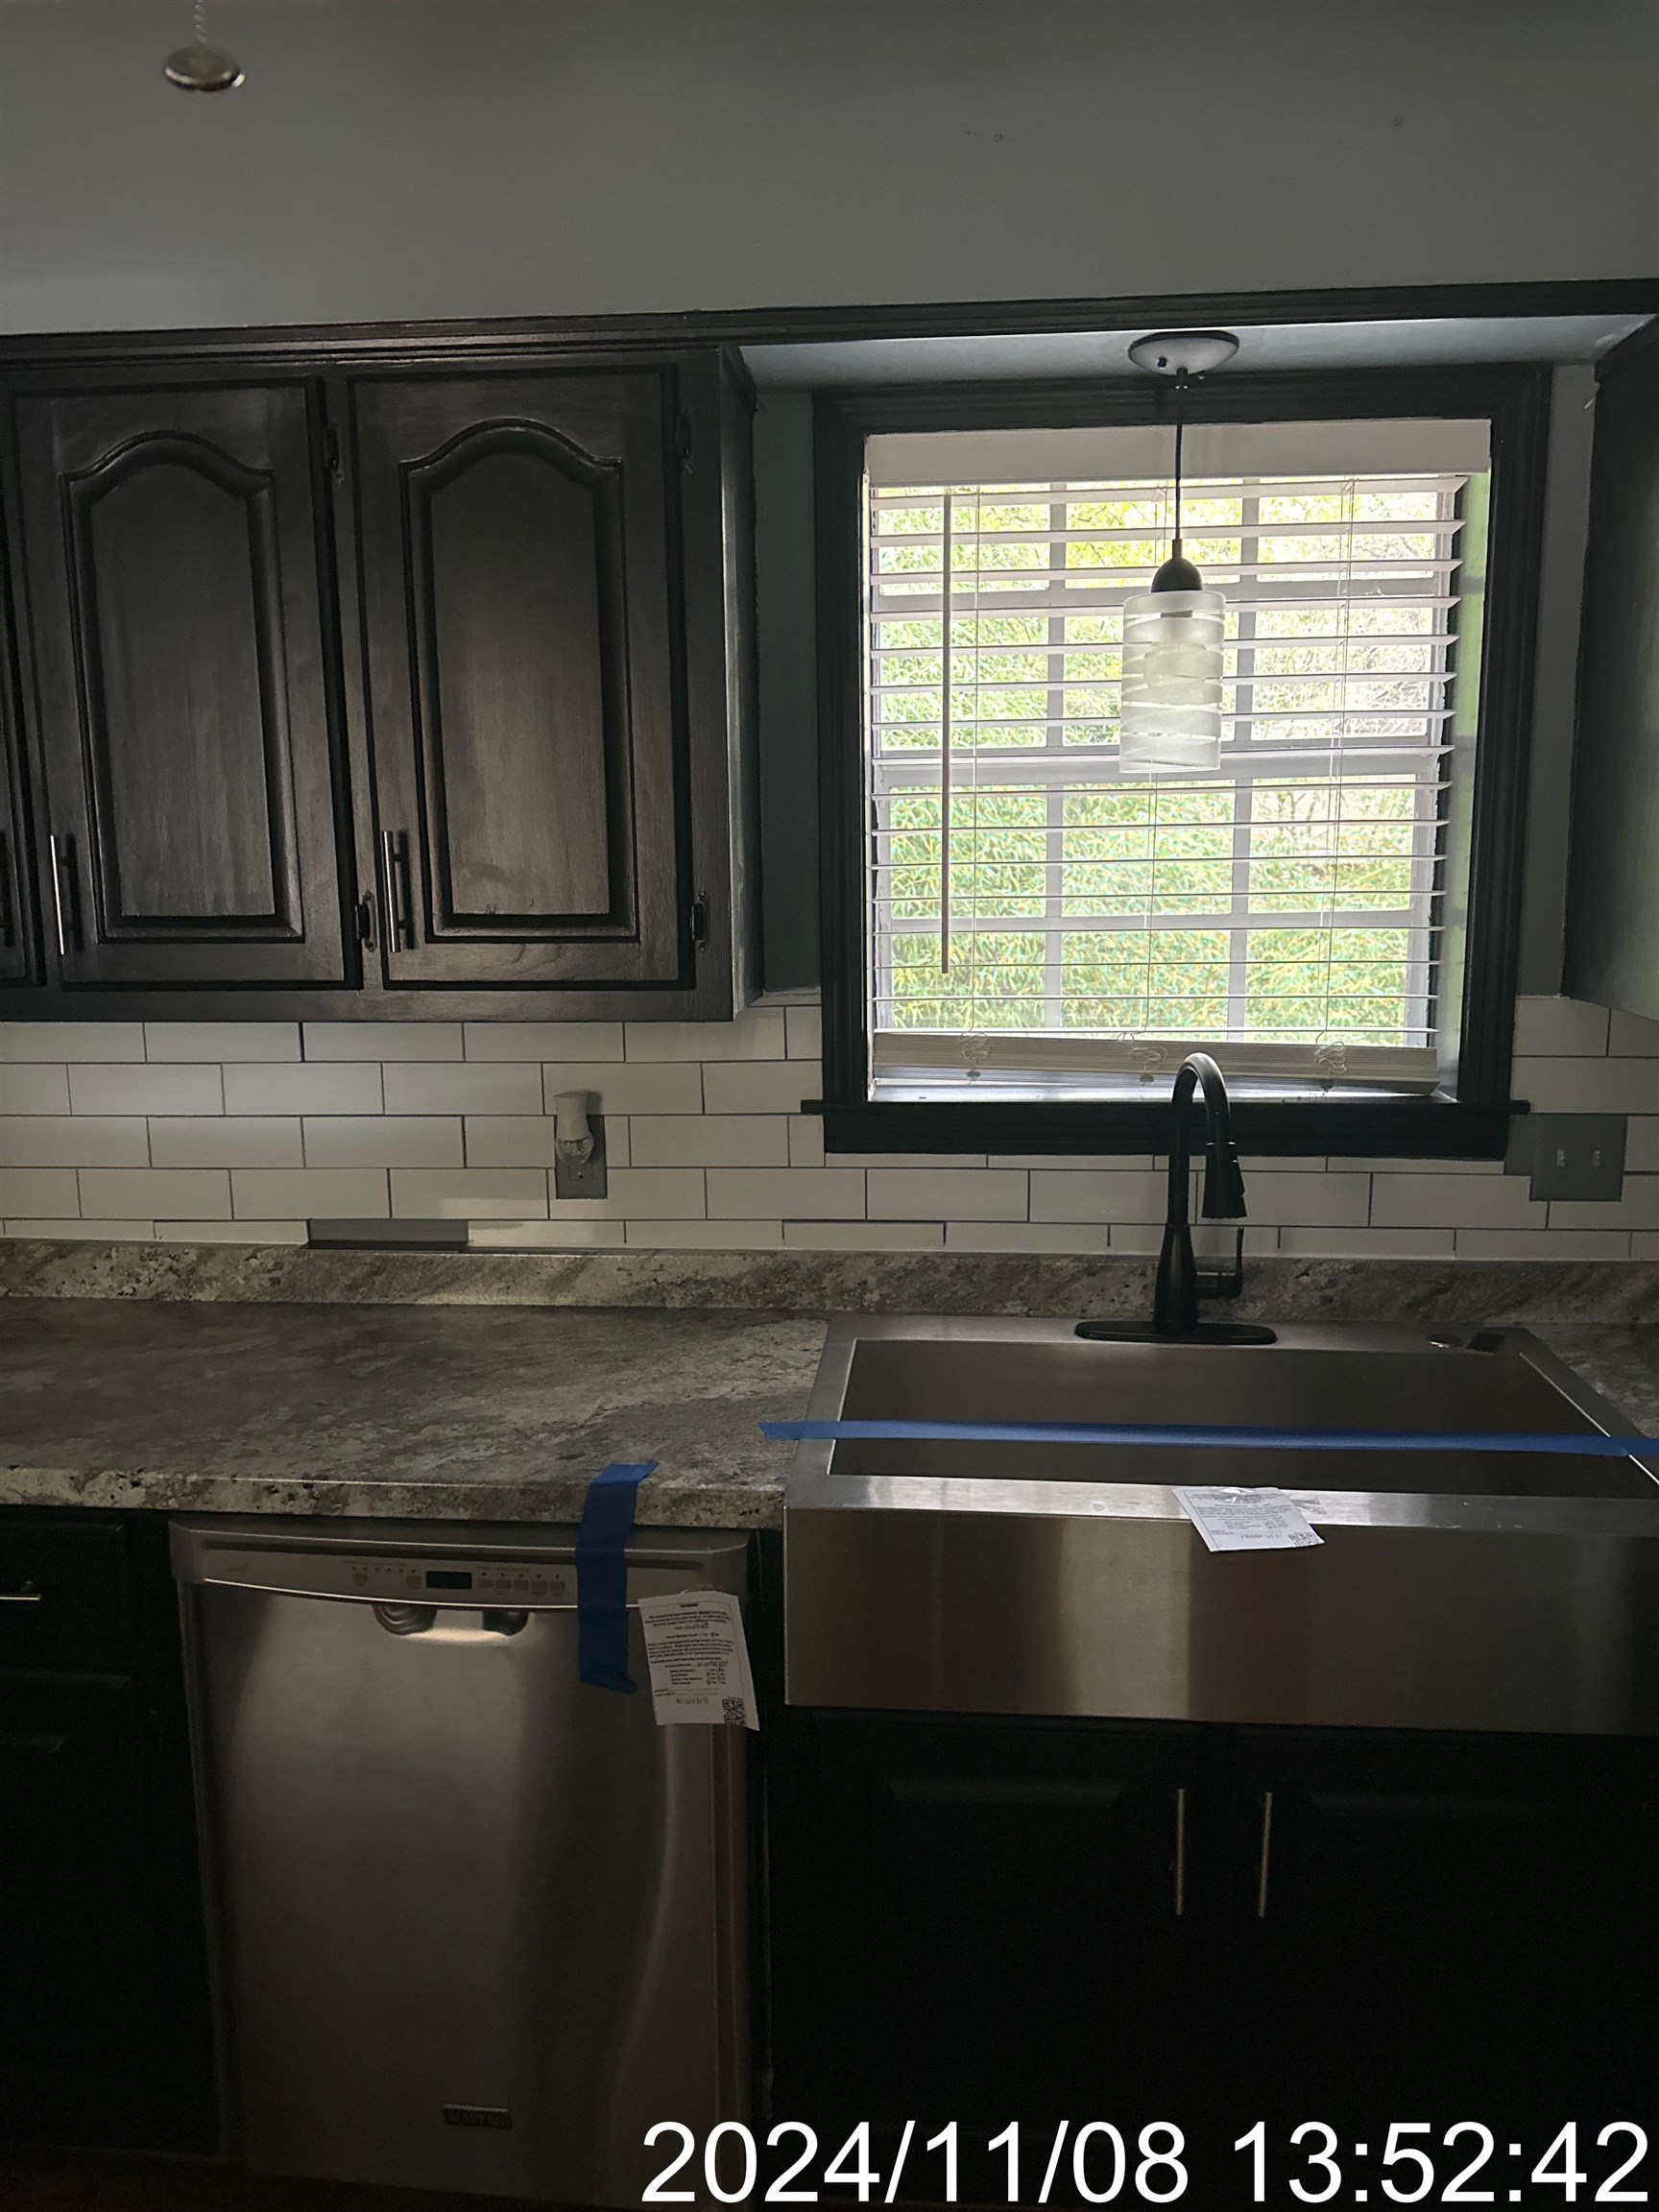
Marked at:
<point>1181,1282</point>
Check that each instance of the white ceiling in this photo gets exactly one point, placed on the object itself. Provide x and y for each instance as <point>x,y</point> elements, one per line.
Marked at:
<point>1005,357</point>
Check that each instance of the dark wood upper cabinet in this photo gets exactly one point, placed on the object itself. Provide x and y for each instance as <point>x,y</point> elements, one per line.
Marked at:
<point>170,595</point>
<point>1613,894</point>
<point>16,932</point>
<point>519,552</point>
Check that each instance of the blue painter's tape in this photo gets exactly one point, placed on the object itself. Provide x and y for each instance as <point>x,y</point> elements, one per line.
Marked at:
<point>1158,1432</point>
<point>602,1574</point>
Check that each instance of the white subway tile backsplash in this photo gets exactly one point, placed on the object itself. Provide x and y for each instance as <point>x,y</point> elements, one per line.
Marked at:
<point>38,1191</point>
<point>1098,1194</point>
<point>33,1088</point>
<point>787,1193</point>
<point>230,1232</point>
<point>1337,1243</point>
<point>711,1141</point>
<point>469,1193</point>
<point>222,1040</point>
<point>758,1086</point>
<point>1559,1025</point>
<point>544,1040</point>
<point>315,1086</point>
<point>546,1235</point>
<point>518,1140</point>
<point>164,1128</point>
<point>707,1236</point>
<point>1588,1086</point>
<point>1543,1244</point>
<point>74,1141</point>
<point>1023,1236</point>
<point>1213,1241</point>
<point>310,1194</point>
<point>383,1041</point>
<point>1632,1035</point>
<point>463,1086</point>
<point>673,1086</point>
<point>803,1032</point>
<point>157,1193</point>
<point>227,1141</point>
<point>71,1041</point>
<point>864,1235</point>
<point>947,1194</point>
<point>74,1227</point>
<point>648,1194</point>
<point>756,1035</point>
<point>1636,1209</point>
<point>184,1089</point>
<point>375,1140</point>
<point>1455,1202</point>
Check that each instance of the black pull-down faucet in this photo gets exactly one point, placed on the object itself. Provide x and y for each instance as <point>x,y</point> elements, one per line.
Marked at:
<point>1181,1282</point>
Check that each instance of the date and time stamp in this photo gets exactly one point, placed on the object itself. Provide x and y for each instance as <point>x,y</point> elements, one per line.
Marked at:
<point>1099,2162</point>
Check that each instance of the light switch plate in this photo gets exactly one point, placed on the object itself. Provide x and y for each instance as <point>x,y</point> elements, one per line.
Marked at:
<point>1571,1155</point>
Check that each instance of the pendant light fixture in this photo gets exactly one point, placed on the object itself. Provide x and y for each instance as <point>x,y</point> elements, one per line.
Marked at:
<point>202,66</point>
<point>1173,634</point>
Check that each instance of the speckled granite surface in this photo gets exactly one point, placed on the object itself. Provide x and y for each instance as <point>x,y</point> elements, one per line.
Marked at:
<point>396,1411</point>
<point>1445,1291</point>
<point>452,1412</point>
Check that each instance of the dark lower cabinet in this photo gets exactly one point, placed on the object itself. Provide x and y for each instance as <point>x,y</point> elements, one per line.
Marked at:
<point>104,2035</point>
<point>170,593</point>
<point>988,1920</point>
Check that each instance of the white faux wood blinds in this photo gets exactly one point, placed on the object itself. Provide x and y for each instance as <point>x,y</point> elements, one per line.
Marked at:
<point>1060,916</point>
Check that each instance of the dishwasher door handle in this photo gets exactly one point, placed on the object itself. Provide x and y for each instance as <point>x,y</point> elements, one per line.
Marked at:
<point>494,1623</point>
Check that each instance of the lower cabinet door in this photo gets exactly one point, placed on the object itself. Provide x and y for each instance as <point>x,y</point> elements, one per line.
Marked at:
<point>994,1925</point>
<point>104,2034</point>
<point>1439,1929</point>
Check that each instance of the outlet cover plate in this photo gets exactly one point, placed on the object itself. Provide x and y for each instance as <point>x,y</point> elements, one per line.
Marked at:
<point>1578,1156</point>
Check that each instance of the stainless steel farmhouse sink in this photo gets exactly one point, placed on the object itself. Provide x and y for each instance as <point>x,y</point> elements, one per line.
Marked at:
<point>1456,1589</point>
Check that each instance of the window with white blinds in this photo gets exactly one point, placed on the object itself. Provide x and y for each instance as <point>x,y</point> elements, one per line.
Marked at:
<point>1033,910</point>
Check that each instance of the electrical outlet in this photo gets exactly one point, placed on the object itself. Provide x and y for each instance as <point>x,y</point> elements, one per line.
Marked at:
<point>583,1178</point>
<point>1575,1155</point>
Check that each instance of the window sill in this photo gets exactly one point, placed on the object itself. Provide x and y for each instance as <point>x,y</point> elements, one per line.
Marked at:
<point>1372,1126</point>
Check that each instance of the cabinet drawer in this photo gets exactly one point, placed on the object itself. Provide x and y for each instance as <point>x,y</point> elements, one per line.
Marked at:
<point>64,1588</point>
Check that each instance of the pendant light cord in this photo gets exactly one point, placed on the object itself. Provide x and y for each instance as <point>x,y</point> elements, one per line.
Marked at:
<point>1180,430</point>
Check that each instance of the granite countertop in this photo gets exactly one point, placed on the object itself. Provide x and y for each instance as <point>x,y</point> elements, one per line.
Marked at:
<point>455,1412</point>
<point>411,1412</point>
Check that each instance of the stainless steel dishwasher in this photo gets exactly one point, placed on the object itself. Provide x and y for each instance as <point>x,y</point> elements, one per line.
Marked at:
<point>476,1924</point>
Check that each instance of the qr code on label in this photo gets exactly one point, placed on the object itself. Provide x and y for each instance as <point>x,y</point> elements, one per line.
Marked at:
<point>732,1711</point>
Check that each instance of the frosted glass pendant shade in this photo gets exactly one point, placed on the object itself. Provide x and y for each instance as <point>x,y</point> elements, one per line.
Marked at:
<point>1172,715</point>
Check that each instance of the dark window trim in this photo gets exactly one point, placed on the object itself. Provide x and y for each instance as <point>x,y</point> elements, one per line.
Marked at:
<point>1470,1123</point>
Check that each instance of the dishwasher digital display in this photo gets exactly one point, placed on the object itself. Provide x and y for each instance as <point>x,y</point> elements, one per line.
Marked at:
<point>448,1578</point>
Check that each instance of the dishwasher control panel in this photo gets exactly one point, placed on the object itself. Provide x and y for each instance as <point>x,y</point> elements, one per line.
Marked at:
<point>424,1579</point>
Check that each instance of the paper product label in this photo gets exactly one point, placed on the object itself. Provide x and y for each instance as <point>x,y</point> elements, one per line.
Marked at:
<point>698,1660</point>
<point>1248,1520</point>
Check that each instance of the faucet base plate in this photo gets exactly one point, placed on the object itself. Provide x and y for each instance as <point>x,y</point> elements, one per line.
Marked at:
<point>1206,1332</point>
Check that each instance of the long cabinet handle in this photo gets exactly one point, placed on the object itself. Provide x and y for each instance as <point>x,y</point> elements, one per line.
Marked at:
<point>1180,1853</point>
<point>395,890</point>
<point>66,911</point>
<point>25,1594</point>
<point>1266,1854</point>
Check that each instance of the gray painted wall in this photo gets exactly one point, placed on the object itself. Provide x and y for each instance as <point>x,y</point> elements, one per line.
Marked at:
<point>452,157</point>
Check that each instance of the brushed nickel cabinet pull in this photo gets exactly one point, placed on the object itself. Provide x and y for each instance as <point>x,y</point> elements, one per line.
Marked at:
<point>1266,1854</point>
<point>65,912</point>
<point>1180,1853</point>
<point>394,888</point>
<point>25,1594</point>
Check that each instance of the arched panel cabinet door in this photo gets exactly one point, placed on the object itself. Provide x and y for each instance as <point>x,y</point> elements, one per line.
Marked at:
<point>176,681</point>
<point>520,552</point>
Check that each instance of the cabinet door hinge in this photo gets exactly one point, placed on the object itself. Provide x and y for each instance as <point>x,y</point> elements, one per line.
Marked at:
<point>683,440</point>
<point>700,919</point>
<point>331,458</point>
<point>366,921</point>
